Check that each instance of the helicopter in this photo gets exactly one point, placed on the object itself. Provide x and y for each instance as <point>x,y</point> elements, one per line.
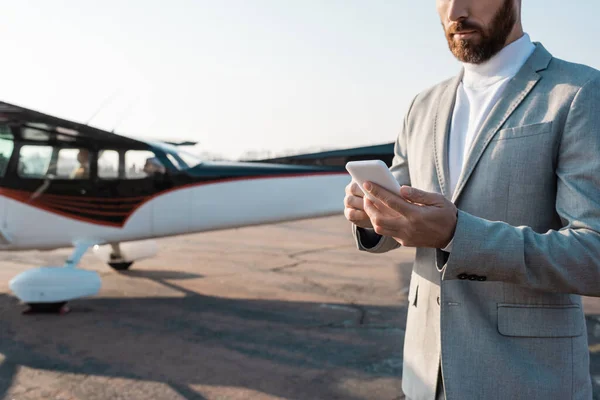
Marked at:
<point>65,184</point>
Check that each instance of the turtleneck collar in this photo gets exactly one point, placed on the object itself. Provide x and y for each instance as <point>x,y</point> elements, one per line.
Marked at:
<point>503,65</point>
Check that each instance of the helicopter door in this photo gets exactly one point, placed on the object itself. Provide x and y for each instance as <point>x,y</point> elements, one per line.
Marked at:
<point>172,205</point>
<point>143,186</point>
<point>58,178</point>
<point>124,186</point>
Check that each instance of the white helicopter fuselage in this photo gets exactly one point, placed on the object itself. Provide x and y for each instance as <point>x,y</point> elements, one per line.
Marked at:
<point>187,209</point>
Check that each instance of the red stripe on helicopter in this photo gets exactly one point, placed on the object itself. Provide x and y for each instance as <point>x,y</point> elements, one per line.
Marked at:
<point>58,204</point>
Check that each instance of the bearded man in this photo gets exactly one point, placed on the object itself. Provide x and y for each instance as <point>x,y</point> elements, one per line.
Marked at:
<point>500,168</point>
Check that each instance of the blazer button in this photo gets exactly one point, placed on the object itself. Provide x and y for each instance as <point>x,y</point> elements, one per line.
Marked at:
<point>481,278</point>
<point>473,277</point>
<point>463,276</point>
<point>438,300</point>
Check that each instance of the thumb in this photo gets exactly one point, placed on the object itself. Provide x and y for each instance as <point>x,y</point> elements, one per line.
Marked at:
<point>420,197</point>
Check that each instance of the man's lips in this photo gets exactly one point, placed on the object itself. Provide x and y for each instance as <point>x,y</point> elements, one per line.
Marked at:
<point>463,34</point>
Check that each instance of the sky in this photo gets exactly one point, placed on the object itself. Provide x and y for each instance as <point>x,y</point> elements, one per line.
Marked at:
<point>247,75</point>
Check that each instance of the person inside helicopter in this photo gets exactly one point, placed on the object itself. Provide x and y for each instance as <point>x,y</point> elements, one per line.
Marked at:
<point>83,170</point>
<point>153,166</point>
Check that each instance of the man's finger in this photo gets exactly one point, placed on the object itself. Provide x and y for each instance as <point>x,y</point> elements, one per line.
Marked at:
<point>356,190</point>
<point>370,208</point>
<point>421,197</point>
<point>383,231</point>
<point>353,202</point>
<point>391,200</point>
<point>356,215</point>
<point>377,217</point>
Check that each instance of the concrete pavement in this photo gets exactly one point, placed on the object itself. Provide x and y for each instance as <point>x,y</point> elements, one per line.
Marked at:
<point>286,311</point>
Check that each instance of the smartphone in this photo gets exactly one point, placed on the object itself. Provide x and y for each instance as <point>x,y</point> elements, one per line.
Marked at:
<point>375,171</point>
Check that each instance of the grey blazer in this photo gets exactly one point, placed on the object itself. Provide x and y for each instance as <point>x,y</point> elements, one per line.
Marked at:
<point>502,314</point>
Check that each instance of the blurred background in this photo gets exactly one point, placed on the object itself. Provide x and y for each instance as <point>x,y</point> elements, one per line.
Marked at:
<point>247,79</point>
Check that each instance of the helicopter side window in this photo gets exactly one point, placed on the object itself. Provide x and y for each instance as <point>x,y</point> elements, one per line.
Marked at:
<point>34,161</point>
<point>108,164</point>
<point>32,133</point>
<point>37,162</point>
<point>140,164</point>
<point>6,148</point>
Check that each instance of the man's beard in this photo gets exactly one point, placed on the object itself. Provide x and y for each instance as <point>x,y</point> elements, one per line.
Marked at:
<point>491,41</point>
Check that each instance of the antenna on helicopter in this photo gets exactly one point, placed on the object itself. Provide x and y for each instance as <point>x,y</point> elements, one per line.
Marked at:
<point>103,104</point>
<point>125,113</point>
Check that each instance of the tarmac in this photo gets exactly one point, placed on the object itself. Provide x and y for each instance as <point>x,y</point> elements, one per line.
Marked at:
<point>284,311</point>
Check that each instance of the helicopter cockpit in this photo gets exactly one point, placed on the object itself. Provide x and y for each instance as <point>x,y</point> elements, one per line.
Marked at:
<point>33,151</point>
<point>77,169</point>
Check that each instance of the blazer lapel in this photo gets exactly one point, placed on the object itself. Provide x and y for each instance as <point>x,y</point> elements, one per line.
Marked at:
<point>443,119</point>
<point>515,92</point>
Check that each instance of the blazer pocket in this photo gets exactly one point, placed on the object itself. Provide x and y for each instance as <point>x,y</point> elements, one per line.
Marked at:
<point>541,321</point>
<point>517,132</point>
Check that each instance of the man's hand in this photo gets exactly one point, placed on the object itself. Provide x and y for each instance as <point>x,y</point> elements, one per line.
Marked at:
<point>414,218</point>
<point>354,206</point>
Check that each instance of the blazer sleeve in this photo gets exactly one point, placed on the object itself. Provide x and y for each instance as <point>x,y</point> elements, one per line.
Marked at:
<point>567,260</point>
<point>371,241</point>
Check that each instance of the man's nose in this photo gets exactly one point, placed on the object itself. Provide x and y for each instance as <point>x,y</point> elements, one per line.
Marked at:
<point>458,10</point>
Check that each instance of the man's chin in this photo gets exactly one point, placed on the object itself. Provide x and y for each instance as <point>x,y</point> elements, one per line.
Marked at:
<point>471,41</point>
<point>467,55</point>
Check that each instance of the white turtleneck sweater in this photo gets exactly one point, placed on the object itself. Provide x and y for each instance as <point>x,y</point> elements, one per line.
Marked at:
<point>480,89</point>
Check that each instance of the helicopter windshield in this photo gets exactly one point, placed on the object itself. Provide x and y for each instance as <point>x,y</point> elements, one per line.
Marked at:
<point>190,159</point>
<point>6,148</point>
<point>182,160</point>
